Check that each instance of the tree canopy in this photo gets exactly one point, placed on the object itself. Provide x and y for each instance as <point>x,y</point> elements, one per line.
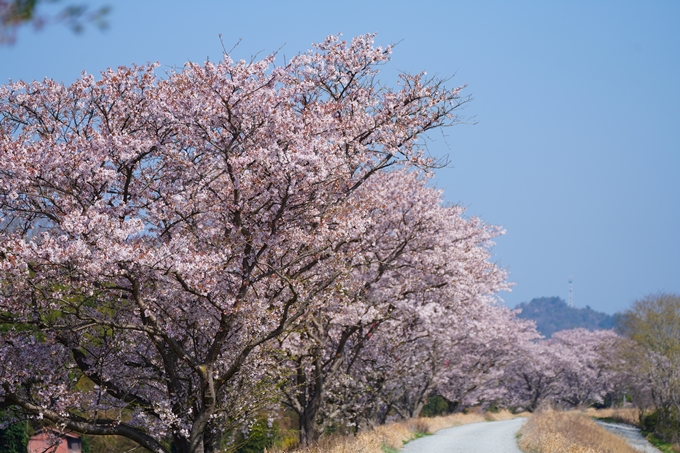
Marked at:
<point>180,253</point>
<point>653,360</point>
<point>159,234</point>
<point>16,13</point>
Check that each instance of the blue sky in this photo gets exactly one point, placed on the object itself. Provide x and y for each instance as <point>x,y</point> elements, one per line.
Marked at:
<point>576,146</point>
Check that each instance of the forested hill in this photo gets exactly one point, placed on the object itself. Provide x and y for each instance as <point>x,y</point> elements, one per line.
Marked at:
<point>552,314</point>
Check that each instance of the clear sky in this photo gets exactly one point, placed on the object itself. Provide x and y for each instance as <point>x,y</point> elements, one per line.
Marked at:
<point>576,146</point>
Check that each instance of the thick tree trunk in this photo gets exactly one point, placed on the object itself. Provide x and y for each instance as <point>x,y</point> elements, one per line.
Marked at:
<point>382,414</point>
<point>418,403</point>
<point>417,409</point>
<point>312,399</point>
<point>308,429</point>
<point>182,445</point>
<point>212,439</point>
<point>179,445</point>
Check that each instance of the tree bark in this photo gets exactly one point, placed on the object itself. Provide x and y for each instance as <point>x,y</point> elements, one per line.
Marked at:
<point>313,399</point>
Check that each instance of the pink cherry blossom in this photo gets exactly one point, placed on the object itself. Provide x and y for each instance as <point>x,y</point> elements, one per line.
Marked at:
<point>159,235</point>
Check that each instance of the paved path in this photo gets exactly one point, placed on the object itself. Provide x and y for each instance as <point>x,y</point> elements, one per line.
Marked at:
<point>485,437</point>
<point>632,436</point>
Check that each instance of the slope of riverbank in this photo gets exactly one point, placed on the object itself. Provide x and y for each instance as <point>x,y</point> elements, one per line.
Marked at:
<point>569,432</point>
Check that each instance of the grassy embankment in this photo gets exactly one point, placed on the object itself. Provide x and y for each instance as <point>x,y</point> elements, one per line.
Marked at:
<point>576,432</point>
<point>391,437</point>
<point>632,417</point>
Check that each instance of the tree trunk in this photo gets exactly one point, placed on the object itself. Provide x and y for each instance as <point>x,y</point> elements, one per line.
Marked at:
<point>417,409</point>
<point>212,439</point>
<point>179,445</point>
<point>308,426</point>
<point>308,430</point>
<point>182,445</point>
<point>314,397</point>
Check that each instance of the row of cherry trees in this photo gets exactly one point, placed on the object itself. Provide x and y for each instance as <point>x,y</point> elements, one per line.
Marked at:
<point>179,253</point>
<point>573,368</point>
<point>488,357</point>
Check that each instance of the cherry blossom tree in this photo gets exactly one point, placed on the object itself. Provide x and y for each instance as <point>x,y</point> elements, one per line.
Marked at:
<point>488,341</point>
<point>458,351</point>
<point>401,261</point>
<point>530,379</point>
<point>158,234</point>
<point>572,368</point>
<point>588,372</point>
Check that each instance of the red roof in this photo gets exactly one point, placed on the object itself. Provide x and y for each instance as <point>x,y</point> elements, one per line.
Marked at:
<point>42,442</point>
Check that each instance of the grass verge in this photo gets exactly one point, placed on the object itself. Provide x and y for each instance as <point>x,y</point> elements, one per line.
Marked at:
<point>629,416</point>
<point>568,432</point>
<point>665,447</point>
<point>390,438</point>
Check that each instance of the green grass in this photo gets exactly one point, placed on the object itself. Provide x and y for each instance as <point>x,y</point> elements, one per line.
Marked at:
<point>387,449</point>
<point>416,435</point>
<point>658,443</point>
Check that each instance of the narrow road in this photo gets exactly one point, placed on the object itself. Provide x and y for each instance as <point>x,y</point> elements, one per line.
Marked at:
<point>632,435</point>
<point>485,437</point>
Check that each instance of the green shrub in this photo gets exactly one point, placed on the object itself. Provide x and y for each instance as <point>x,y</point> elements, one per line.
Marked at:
<point>434,406</point>
<point>664,423</point>
<point>14,438</point>
<point>260,436</point>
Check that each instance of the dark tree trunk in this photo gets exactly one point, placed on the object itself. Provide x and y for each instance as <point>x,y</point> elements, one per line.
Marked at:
<point>182,445</point>
<point>212,439</point>
<point>309,431</point>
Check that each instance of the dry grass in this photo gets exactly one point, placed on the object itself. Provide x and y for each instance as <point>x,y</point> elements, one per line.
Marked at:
<point>392,436</point>
<point>629,416</point>
<point>568,432</point>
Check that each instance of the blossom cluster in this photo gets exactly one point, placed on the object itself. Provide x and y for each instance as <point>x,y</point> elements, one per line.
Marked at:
<point>178,252</point>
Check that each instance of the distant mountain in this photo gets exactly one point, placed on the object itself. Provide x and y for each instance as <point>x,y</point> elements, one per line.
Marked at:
<point>552,314</point>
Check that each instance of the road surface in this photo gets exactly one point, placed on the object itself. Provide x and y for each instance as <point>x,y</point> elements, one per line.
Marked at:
<point>485,437</point>
<point>632,436</point>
